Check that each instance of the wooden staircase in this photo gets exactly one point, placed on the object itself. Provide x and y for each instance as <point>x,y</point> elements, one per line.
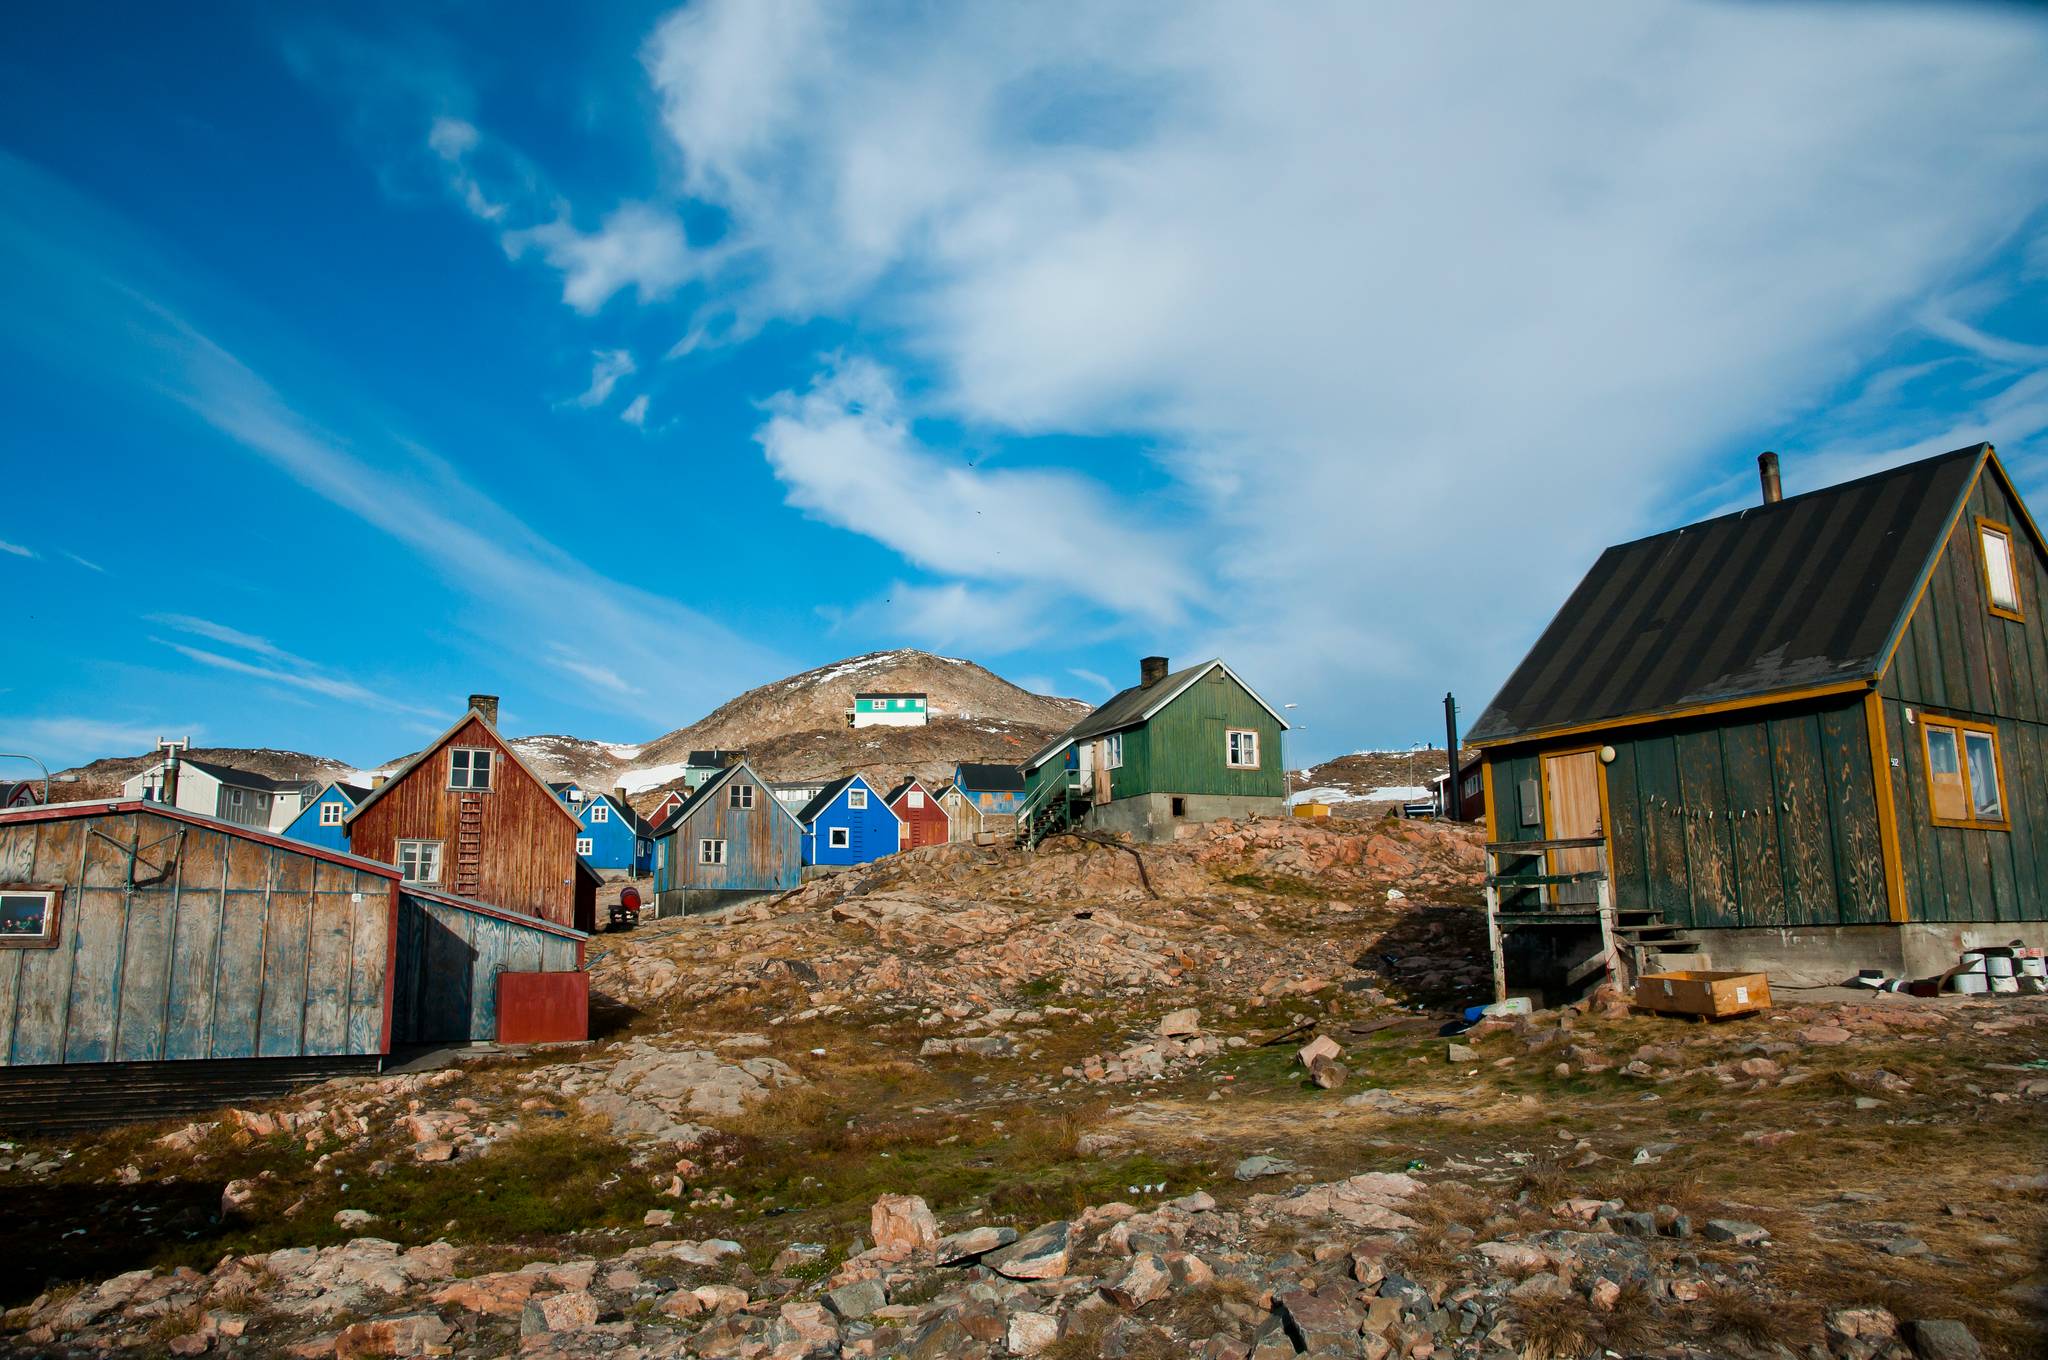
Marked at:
<point>469,846</point>
<point>1655,943</point>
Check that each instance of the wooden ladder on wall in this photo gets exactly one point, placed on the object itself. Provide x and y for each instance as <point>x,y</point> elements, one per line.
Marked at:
<point>469,846</point>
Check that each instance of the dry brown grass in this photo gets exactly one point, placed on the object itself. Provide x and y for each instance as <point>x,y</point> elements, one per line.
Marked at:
<point>1633,1323</point>
<point>1729,1313</point>
<point>1557,1328</point>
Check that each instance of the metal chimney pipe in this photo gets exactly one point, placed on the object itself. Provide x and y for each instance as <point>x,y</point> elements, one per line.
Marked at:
<point>1767,472</point>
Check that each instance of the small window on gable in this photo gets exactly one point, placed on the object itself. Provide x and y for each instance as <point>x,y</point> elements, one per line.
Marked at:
<point>915,799</point>
<point>1965,773</point>
<point>600,812</point>
<point>28,917</point>
<point>584,845</point>
<point>234,797</point>
<point>857,799</point>
<point>469,768</point>
<point>331,814</point>
<point>2001,570</point>
<point>742,796</point>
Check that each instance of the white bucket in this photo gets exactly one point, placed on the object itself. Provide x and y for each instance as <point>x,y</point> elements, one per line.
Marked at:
<point>1970,960</point>
<point>1969,984</point>
<point>2034,968</point>
<point>1998,966</point>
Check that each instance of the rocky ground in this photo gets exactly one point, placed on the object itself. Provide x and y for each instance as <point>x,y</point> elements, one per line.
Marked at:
<point>1185,1101</point>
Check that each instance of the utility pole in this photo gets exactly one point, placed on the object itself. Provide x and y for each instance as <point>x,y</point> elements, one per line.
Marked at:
<point>1454,798</point>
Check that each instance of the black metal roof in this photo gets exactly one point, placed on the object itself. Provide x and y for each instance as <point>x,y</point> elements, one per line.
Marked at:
<point>1805,592</point>
<point>244,779</point>
<point>991,778</point>
<point>824,797</point>
<point>356,792</point>
<point>714,756</point>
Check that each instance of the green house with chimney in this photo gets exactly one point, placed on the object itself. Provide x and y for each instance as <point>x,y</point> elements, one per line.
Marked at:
<point>1178,747</point>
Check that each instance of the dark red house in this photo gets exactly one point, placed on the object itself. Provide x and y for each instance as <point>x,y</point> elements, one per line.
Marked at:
<point>469,817</point>
<point>924,818</point>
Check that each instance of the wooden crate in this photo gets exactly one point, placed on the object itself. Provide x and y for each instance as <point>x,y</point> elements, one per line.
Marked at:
<point>1311,809</point>
<point>1714,996</point>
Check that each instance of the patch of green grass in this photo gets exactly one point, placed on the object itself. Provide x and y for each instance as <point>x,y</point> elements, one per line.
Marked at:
<point>563,1177</point>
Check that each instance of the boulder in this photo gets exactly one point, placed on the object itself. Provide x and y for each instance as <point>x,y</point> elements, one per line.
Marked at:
<point>973,1242</point>
<point>1179,1024</point>
<point>1322,1046</point>
<point>1943,1339</point>
<point>902,1225</point>
<point>1040,1254</point>
<point>1030,1333</point>
<point>406,1334</point>
<point>859,1299</point>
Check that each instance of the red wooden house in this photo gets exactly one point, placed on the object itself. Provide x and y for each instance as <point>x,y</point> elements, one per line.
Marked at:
<point>924,818</point>
<point>661,811</point>
<point>469,817</point>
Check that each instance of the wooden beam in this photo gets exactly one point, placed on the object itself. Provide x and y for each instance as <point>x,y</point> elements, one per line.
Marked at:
<point>1887,808</point>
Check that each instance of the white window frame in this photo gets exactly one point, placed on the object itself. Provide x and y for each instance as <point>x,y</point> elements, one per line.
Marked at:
<point>600,812</point>
<point>838,838</point>
<point>915,799</point>
<point>2013,605</point>
<point>234,797</point>
<point>740,797</point>
<point>332,814</point>
<point>1231,747</point>
<point>584,845</point>
<point>1113,751</point>
<point>53,906</point>
<point>710,852</point>
<point>857,799</point>
<point>426,856</point>
<point>468,781</point>
<point>661,853</point>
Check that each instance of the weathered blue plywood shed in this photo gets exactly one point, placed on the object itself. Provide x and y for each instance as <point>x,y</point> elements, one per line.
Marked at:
<point>450,953</point>
<point>849,822</point>
<point>136,932</point>
<point>733,839</point>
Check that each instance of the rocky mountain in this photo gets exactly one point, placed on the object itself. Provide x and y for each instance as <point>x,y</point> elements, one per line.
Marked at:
<point>103,778</point>
<point>1369,781</point>
<point>795,728</point>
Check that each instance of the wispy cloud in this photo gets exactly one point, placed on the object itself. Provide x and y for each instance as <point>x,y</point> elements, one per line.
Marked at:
<point>313,682</point>
<point>16,549</point>
<point>524,593</point>
<point>637,246</point>
<point>635,412</point>
<point>607,366</point>
<point>220,632</point>
<point>604,677</point>
<point>89,566</point>
<point>1100,682</point>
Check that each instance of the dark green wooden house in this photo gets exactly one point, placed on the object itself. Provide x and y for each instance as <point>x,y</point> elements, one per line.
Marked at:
<point>1178,747</point>
<point>1810,736</point>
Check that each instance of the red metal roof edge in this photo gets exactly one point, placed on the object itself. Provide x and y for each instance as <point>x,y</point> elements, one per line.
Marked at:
<point>57,812</point>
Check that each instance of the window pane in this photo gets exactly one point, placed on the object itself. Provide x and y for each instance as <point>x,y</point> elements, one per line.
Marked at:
<point>1945,773</point>
<point>24,914</point>
<point>1985,798</point>
<point>1998,570</point>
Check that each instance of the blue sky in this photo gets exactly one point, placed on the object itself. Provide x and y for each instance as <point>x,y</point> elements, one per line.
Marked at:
<point>360,357</point>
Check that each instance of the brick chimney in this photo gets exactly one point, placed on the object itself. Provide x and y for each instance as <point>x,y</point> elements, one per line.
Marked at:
<point>1767,473</point>
<point>1151,671</point>
<point>486,706</point>
<point>619,797</point>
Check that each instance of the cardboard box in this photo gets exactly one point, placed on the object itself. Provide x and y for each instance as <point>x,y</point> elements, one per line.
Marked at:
<point>1716,996</point>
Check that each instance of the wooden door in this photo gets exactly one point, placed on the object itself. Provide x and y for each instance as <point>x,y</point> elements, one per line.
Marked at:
<point>1573,784</point>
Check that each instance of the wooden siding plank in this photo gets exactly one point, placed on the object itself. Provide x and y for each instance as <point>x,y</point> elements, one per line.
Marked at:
<point>1909,796</point>
<point>1628,861</point>
<point>195,948</point>
<point>369,913</point>
<point>1669,876</point>
<point>147,962</point>
<point>328,961</point>
<point>1852,799</point>
<point>1799,772</point>
<point>95,982</point>
<point>17,865</point>
<point>1709,847</point>
<point>43,990</point>
<point>281,1010</point>
<point>1753,799</point>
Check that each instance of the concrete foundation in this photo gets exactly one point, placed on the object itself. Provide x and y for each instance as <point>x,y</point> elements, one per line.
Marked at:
<point>1159,816</point>
<point>697,901</point>
<point>1814,956</point>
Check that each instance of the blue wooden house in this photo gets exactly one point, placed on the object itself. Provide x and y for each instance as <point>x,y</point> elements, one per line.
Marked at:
<point>613,836</point>
<point>321,823</point>
<point>993,791</point>
<point>849,822</point>
<point>732,840</point>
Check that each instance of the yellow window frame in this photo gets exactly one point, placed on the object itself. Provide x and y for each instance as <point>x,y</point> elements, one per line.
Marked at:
<point>2018,613</point>
<point>1959,727</point>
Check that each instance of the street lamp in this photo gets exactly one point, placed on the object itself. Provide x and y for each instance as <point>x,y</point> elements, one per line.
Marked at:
<point>48,778</point>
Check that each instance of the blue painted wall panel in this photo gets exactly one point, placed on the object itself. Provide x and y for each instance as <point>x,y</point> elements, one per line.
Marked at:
<point>306,826</point>
<point>871,832</point>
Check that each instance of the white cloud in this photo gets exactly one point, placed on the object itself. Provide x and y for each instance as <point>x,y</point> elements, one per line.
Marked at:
<point>62,740</point>
<point>16,549</point>
<point>846,453</point>
<point>1088,677</point>
<point>89,566</point>
<point>634,412</point>
<point>1362,274</point>
<point>637,246</point>
<point>602,676</point>
<point>607,366</point>
<point>220,632</point>
<point>956,616</point>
